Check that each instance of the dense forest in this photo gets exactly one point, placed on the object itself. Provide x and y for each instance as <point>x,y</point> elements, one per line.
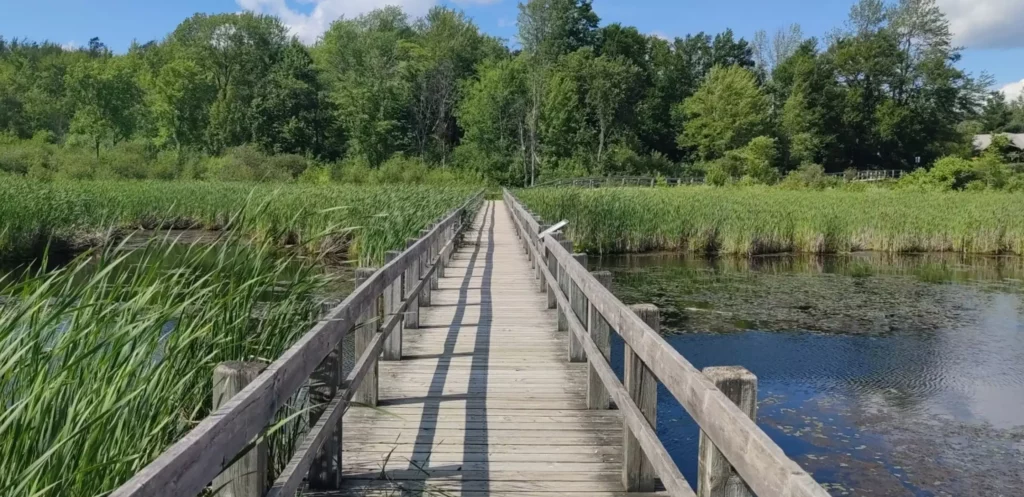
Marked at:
<point>234,96</point>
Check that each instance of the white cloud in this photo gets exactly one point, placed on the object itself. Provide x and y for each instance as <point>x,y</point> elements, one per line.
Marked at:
<point>309,27</point>
<point>659,34</point>
<point>1013,91</point>
<point>986,23</point>
<point>71,45</point>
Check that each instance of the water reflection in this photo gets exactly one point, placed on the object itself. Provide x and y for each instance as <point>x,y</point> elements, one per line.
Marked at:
<point>882,375</point>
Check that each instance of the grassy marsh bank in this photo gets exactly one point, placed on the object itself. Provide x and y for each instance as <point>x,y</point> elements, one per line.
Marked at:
<point>362,222</point>
<point>763,220</point>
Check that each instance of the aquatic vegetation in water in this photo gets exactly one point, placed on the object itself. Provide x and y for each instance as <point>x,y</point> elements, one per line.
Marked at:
<point>760,220</point>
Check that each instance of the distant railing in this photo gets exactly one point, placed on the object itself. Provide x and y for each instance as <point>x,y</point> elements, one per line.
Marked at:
<point>868,175</point>
<point>606,181</point>
<point>247,396</point>
<point>650,181</point>
<point>736,458</point>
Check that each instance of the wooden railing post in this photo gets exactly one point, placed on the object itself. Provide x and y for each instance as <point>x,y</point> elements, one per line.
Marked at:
<point>247,476</point>
<point>424,262</point>
<point>412,278</point>
<point>578,303</point>
<point>642,386</point>
<point>325,383</point>
<point>715,476</point>
<point>552,286</point>
<point>392,301</point>
<point>600,332</point>
<point>563,285</point>
<point>366,328</point>
<point>435,253</point>
<point>535,239</point>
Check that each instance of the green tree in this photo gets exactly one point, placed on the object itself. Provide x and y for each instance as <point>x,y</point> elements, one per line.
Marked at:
<point>179,98</point>
<point>451,47</point>
<point>291,112</point>
<point>237,51</point>
<point>369,63</point>
<point>996,114</point>
<point>107,98</point>
<point>726,113</point>
<point>493,116</point>
<point>549,29</point>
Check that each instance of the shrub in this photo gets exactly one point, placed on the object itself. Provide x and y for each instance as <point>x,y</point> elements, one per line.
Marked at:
<point>809,175</point>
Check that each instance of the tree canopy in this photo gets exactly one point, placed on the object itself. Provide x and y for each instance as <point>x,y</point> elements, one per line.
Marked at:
<point>575,97</point>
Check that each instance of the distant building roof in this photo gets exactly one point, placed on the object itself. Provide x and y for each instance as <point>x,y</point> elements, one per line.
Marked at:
<point>981,142</point>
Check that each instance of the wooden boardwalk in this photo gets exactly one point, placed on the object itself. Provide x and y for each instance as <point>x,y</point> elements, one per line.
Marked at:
<point>484,400</point>
<point>466,382</point>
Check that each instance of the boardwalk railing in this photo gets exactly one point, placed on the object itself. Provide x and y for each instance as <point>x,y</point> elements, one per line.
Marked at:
<point>649,181</point>
<point>735,454</point>
<point>605,181</point>
<point>376,310</point>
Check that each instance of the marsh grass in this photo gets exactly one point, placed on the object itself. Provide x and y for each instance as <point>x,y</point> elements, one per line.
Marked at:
<point>764,220</point>
<point>108,360</point>
<point>352,222</point>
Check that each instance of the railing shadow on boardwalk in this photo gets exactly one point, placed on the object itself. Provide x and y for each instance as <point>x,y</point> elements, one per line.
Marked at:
<point>475,396</point>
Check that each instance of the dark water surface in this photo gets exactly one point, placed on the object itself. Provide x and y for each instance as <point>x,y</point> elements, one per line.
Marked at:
<point>881,375</point>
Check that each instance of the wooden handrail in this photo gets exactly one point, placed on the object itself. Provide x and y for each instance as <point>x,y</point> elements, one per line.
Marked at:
<point>757,459</point>
<point>188,466</point>
<point>671,477</point>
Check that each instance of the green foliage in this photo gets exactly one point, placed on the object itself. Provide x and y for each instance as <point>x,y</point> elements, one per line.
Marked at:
<point>809,175</point>
<point>577,100</point>
<point>726,113</point>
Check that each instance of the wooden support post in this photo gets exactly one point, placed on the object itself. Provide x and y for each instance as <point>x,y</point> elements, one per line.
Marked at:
<point>642,386</point>
<point>412,278</point>
<point>392,301</point>
<point>600,332</point>
<point>563,284</point>
<point>539,274</point>
<point>578,303</point>
<point>366,328</point>
<point>435,255</point>
<point>424,264</point>
<point>247,476</point>
<point>715,476</point>
<point>549,259</point>
<point>324,385</point>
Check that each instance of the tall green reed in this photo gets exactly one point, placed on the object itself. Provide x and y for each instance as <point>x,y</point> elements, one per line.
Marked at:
<point>358,222</point>
<point>107,361</point>
<point>761,220</point>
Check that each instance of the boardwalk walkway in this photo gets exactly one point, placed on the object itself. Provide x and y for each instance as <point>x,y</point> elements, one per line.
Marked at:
<point>484,400</point>
<point>488,397</point>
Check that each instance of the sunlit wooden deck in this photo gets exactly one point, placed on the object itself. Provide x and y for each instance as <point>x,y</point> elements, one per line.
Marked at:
<point>484,400</point>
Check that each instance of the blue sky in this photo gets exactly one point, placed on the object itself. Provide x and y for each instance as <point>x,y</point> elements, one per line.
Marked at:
<point>993,30</point>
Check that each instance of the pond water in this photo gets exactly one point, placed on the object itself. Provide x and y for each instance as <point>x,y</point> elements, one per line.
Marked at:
<point>881,375</point>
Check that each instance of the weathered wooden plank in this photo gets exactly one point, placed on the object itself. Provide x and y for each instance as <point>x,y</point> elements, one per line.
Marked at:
<point>600,333</point>
<point>392,303</point>
<point>366,330</point>
<point>247,476</point>
<point>715,476</point>
<point>637,468</point>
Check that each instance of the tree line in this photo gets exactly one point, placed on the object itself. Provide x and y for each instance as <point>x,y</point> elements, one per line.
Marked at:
<point>235,96</point>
